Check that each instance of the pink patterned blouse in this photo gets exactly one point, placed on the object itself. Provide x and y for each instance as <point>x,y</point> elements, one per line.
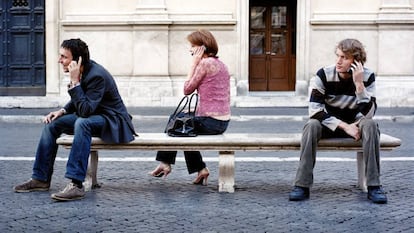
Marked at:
<point>211,79</point>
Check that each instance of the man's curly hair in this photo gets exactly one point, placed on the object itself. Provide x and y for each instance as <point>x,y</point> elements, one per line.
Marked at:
<point>353,48</point>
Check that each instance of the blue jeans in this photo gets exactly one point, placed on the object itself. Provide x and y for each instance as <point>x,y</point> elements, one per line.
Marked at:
<point>77,165</point>
<point>193,159</point>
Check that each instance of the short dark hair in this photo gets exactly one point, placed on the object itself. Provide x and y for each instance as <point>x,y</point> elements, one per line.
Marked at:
<point>78,48</point>
<point>353,48</point>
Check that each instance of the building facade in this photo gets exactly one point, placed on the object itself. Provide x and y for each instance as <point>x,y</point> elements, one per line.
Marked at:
<point>272,47</point>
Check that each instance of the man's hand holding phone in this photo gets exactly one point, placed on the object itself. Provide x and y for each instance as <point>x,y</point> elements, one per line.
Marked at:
<point>75,71</point>
<point>358,75</point>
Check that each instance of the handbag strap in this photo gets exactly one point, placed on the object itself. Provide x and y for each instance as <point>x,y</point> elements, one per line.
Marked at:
<point>180,107</point>
<point>195,95</point>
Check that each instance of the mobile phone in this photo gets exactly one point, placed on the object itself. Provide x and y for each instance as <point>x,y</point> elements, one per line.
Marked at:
<point>202,46</point>
<point>352,67</point>
<point>76,59</point>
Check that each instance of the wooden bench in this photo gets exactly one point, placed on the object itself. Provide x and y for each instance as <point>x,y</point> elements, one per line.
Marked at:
<point>226,145</point>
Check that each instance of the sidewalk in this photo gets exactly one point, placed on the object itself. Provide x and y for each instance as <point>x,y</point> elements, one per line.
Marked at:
<point>34,115</point>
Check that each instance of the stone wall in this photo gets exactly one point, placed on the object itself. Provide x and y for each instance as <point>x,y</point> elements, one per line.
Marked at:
<point>143,44</point>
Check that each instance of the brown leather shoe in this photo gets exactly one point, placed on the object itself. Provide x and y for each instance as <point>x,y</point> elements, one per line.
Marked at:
<point>69,193</point>
<point>31,186</point>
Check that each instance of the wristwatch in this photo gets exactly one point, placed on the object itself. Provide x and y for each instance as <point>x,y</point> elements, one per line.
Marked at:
<point>71,85</point>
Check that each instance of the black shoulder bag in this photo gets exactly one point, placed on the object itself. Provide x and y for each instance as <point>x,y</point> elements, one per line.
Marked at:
<point>181,122</point>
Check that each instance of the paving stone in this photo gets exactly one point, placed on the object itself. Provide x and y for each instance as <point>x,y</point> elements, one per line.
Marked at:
<point>132,201</point>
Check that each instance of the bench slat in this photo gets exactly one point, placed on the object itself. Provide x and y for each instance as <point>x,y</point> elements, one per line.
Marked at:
<point>230,141</point>
<point>226,144</point>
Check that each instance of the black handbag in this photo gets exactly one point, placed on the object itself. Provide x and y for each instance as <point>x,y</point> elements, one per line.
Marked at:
<point>181,122</point>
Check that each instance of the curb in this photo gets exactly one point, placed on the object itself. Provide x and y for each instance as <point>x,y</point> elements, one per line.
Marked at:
<point>240,118</point>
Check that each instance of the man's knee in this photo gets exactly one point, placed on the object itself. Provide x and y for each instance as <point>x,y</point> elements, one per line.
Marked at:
<point>312,125</point>
<point>369,129</point>
<point>82,124</point>
<point>368,125</point>
<point>312,128</point>
<point>52,128</point>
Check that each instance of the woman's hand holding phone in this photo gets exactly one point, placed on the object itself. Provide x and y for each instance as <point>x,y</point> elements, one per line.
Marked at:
<point>198,52</point>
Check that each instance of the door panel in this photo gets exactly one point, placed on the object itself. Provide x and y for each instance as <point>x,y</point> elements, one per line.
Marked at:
<point>277,74</point>
<point>272,26</point>
<point>22,67</point>
<point>257,73</point>
<point>2,47</point>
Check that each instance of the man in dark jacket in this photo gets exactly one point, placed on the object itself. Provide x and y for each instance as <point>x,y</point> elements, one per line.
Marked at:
<point>95,109</point>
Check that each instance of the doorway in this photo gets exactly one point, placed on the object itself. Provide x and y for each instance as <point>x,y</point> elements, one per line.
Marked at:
<point>22,59</point>
<point>272,48</point>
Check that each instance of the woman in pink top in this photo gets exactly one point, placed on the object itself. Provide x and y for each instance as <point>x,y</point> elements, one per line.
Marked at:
<point>210,78</point>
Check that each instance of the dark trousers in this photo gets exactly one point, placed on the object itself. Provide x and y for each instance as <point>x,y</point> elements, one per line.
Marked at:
<point>193,159</point>
<point>313,131</point>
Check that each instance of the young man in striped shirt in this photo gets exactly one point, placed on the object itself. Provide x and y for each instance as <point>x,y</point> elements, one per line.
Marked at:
<point>342,104</point>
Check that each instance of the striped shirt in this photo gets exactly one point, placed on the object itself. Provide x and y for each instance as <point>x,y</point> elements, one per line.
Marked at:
<point>333,99</point>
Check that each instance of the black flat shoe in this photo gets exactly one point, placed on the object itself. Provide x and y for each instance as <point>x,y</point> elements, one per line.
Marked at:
<point>299,194</point>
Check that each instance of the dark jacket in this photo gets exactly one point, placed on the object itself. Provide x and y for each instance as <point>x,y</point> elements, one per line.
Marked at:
<point>98,94</point>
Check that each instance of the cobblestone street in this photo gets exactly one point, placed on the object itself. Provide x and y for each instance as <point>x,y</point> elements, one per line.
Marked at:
<point>132,201</point>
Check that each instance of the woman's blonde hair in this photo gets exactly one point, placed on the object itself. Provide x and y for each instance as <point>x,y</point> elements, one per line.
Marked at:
<point>203,37</point>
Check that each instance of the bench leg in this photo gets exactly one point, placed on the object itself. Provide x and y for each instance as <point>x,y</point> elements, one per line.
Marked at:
<point>226,171</point>
<point>91,180</point>
<point>362,179</point>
